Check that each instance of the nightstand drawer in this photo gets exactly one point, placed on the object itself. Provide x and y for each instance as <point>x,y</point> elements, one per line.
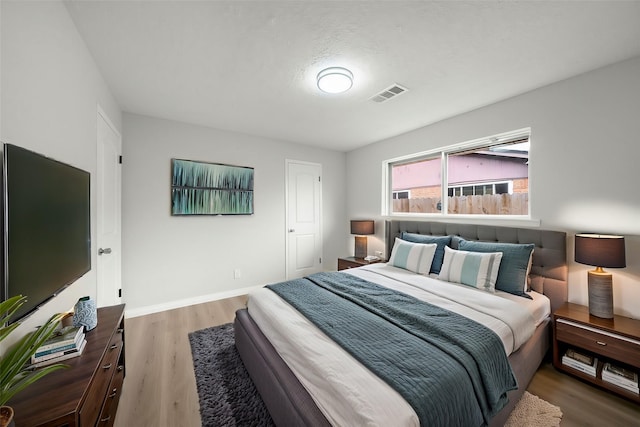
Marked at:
<point>603,343</point>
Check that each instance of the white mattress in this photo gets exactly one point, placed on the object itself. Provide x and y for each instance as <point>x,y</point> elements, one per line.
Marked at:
<point>344,390</point>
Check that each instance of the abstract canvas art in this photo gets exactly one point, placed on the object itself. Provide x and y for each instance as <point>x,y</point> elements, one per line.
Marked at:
<point>201,188</point>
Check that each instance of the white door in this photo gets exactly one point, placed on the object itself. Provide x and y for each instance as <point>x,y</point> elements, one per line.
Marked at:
<point>304,219</point>
<point>109,147</point>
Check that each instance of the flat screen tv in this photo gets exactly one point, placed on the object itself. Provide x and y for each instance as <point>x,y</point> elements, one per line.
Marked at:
<point>46,226</point>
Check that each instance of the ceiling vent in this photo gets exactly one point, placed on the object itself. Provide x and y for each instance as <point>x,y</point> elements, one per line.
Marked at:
<point>390,92</point>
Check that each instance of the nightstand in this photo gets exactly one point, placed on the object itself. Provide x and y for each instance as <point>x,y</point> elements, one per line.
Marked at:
<point>353,262</point>
<point>614,340</point>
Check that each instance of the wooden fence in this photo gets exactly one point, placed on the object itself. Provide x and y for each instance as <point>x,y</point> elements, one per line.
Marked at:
<point>496,204</point>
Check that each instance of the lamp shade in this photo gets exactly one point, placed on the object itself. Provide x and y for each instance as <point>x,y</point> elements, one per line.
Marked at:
<point>362,227</point>
<point>600,250</point>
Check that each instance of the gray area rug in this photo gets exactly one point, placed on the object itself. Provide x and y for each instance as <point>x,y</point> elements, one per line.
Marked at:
<point>229,398</point>
<point>226,393</point>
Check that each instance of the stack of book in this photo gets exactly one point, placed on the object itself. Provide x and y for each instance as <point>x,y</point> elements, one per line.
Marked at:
<point>621,377</point>
<point>65,343</point>
<point>581,362</point>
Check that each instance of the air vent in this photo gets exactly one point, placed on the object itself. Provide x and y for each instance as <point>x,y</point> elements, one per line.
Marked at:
<point>390,92</point>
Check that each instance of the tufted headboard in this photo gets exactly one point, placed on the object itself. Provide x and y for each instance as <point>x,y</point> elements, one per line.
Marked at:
<point>549,265</point>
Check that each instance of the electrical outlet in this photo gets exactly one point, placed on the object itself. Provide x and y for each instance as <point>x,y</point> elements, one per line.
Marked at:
<point>237,273</point>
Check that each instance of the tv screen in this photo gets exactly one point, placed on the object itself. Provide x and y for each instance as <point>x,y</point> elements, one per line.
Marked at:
<point>47,226</point>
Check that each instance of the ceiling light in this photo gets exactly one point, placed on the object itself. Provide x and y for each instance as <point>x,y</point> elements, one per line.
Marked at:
<point>335,80</point>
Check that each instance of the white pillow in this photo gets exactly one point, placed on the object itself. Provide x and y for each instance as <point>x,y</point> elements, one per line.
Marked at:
<point>477,269</point>
<point>416,257</point>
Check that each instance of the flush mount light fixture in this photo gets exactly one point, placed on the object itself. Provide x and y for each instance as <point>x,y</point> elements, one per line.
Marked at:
<point>335,80</point>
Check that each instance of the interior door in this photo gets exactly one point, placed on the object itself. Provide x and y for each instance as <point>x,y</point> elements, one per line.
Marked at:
<point>304,219</point>
<point>109,147</point>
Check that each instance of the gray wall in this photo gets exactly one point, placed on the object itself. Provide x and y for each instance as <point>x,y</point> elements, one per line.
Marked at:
<point>583,164</point>
<point>171,261</point>
<point>51,89</point>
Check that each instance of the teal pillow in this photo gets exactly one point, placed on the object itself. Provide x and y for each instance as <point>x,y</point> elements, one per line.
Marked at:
<point>440,241</point>
<point>514,267</point>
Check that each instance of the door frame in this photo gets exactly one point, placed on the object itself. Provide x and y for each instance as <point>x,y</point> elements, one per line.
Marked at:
<point>288,162</point>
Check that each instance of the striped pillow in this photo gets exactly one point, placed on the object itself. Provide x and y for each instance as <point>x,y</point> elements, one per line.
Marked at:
<point>476,269</point>
<point>416,257</point>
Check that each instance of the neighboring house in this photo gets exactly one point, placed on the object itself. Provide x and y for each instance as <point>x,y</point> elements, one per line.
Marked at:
<point>469,175</point>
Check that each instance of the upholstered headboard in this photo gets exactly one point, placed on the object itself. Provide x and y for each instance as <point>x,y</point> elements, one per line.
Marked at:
<point>549,265</point>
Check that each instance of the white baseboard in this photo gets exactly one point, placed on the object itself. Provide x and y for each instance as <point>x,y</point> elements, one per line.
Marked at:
<point>135,312</point>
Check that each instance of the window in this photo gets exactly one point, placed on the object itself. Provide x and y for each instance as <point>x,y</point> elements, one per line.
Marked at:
<point>402,194</point>
<point>488,176</point>
<point>505,187</point>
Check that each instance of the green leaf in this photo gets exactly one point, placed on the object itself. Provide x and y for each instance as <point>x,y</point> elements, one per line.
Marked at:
<point>15,374</point>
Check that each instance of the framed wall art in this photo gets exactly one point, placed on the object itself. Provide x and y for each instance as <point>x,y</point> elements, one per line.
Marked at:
<point>202,188</point>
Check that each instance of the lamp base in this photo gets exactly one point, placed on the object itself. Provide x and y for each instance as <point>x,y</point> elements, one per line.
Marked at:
<point>361,247</point>
<point>600,294</point>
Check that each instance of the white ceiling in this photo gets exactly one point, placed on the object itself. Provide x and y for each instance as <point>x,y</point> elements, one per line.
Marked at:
<point>250,67</point>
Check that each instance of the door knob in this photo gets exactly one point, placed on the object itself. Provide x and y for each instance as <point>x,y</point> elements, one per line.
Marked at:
<point>105,251</point>
<point>292,230</point>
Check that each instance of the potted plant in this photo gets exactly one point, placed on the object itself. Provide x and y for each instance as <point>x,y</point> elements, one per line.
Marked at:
<point>15,374</point>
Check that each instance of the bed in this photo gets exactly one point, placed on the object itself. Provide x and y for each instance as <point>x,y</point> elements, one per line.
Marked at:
<point>288,395</point>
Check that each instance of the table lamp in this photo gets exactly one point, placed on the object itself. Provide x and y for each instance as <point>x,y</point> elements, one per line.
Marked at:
<point>361,228</point>
<point>600,251</point>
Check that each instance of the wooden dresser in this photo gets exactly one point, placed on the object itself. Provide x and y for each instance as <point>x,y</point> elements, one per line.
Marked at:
<point>87,393</point>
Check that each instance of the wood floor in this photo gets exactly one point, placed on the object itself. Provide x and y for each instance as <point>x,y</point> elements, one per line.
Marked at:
<point>160,389</point>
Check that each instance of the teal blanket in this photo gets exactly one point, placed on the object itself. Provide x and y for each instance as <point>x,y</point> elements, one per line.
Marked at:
<point>452,370</point>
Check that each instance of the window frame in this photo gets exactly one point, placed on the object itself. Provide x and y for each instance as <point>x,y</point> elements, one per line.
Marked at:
<point>443,153</point>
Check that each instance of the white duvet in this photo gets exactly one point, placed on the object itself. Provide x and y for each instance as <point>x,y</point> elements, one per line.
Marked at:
<point>346,392</point>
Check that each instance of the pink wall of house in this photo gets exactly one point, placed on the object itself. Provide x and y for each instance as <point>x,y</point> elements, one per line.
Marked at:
<point>462,169</point>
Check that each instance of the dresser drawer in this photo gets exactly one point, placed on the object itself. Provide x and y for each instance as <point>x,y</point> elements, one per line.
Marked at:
<point>108,412</point>
<point>90,411</point>
<point>601,342</point>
